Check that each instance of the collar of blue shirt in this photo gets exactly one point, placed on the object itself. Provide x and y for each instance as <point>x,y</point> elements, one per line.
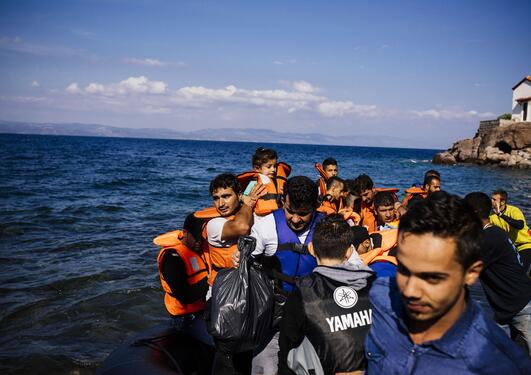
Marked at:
<point>452,341</point>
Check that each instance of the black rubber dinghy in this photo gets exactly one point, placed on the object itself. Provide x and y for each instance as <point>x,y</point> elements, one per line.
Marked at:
<point>159,350</point>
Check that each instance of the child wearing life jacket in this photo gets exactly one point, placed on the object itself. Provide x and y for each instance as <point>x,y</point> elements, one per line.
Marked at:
<point>270,173</point>
<point>184,271</point>
<point>333,198</point>
<point>328,169</point>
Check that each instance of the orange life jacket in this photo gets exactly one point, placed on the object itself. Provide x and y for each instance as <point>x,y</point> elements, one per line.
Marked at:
<point>346,214</point>
<point>323,178</point>
<point>412,191</point>
<point>334,205</point>
<point>380,254</point>
<point>217,257</point>
<point>393,191</point>
<point>368,218</point>
<point>368,214</point>
<point>196,270</point>
<point>272,200</point>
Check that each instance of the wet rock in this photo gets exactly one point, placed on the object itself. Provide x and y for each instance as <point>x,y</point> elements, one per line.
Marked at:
<point>506,145</point>
<point>443,158</point>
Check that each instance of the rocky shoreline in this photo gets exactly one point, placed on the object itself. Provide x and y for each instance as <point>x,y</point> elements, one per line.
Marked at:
<point>503,143</point>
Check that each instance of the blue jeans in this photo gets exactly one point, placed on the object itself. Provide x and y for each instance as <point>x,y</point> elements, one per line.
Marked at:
<point>520,328</point>
<point>193,325</point>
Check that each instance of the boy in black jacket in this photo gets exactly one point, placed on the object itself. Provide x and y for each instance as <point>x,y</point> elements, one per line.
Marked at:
<point>328,315</point>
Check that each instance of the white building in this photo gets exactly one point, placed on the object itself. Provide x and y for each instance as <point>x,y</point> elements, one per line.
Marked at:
<point>522,100</point>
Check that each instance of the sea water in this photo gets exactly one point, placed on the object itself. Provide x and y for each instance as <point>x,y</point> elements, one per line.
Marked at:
<point>78,214</point>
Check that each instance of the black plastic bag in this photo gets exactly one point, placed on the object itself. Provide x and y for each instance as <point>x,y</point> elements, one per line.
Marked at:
<point>242,304</point>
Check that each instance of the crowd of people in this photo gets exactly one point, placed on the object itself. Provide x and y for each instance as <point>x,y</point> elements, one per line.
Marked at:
<point>367,283</point>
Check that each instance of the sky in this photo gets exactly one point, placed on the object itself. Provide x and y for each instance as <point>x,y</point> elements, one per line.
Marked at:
<point>424,72</point>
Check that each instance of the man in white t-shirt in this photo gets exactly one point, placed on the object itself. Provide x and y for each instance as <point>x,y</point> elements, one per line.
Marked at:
<point>235,218</point>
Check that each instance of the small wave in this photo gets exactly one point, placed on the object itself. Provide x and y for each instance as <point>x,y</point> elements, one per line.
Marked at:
<point>416,161</point>
<point>120,182</point>
<point>109,208</point>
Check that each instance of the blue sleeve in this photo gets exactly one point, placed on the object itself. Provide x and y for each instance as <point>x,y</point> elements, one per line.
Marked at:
<point>384,269</point>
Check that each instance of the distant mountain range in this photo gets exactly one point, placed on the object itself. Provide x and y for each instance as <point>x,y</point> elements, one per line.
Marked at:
<point>225,134</point>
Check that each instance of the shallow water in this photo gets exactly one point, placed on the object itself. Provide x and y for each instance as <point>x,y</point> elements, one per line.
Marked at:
<point>78,269</point>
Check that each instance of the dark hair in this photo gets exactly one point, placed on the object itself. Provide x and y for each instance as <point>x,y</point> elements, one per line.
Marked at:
<point>329,161</point>
<point>225,181</point>
<point>303,193</point>
<point>352,196</point>
<point>384,198</point>
<point>414,199</point>
<point>263,155</point>
<point>429,179</point>
<point>194,226</point>
<point>334,180</point>
<point>502,193</point>
<point>331,238</point>
<point>359,234</point>
<point>432,172</point>
<point>481,204</point>
<point>362,183</point>
<point>350,186</point>
<point>446,216</point>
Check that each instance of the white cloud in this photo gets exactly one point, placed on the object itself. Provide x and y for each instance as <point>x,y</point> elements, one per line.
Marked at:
<point>95,88</point>
<point>341,108</point>
<point>153,63</point>
<point>23,99</point>
<point>451,114</point>
<point>285,62</point>
<point>146,62</point>
<point>73,88</point>
<point>141,85</point>
<point>142,95</point>
<point>303,86</point>
<point>131,85</point>
<point>35,84</point>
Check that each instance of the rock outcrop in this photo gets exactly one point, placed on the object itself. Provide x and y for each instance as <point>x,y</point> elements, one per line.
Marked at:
<point>506,145</point>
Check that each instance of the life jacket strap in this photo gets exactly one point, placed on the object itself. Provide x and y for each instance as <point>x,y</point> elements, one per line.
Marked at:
<point>270,196</point>
<point>273,273</point>
<point>296,247</point>
<point>216,268</point>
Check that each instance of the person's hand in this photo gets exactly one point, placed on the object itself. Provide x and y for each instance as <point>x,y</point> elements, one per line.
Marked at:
<point>257,192</point>
<point>400,209</point>
<point>236,259</point>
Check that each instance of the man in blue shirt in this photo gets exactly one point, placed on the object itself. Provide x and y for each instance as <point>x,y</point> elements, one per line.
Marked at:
<point>424,321</point>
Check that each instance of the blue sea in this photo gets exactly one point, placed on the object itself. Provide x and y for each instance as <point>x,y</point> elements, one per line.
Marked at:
<point>78,214</point>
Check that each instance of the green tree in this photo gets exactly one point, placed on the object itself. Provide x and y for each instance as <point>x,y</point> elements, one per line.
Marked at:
<point>505,116</point>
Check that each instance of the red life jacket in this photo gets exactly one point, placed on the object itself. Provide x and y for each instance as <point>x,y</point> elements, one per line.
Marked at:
<point>196,270</point>
<point>272,200</point>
